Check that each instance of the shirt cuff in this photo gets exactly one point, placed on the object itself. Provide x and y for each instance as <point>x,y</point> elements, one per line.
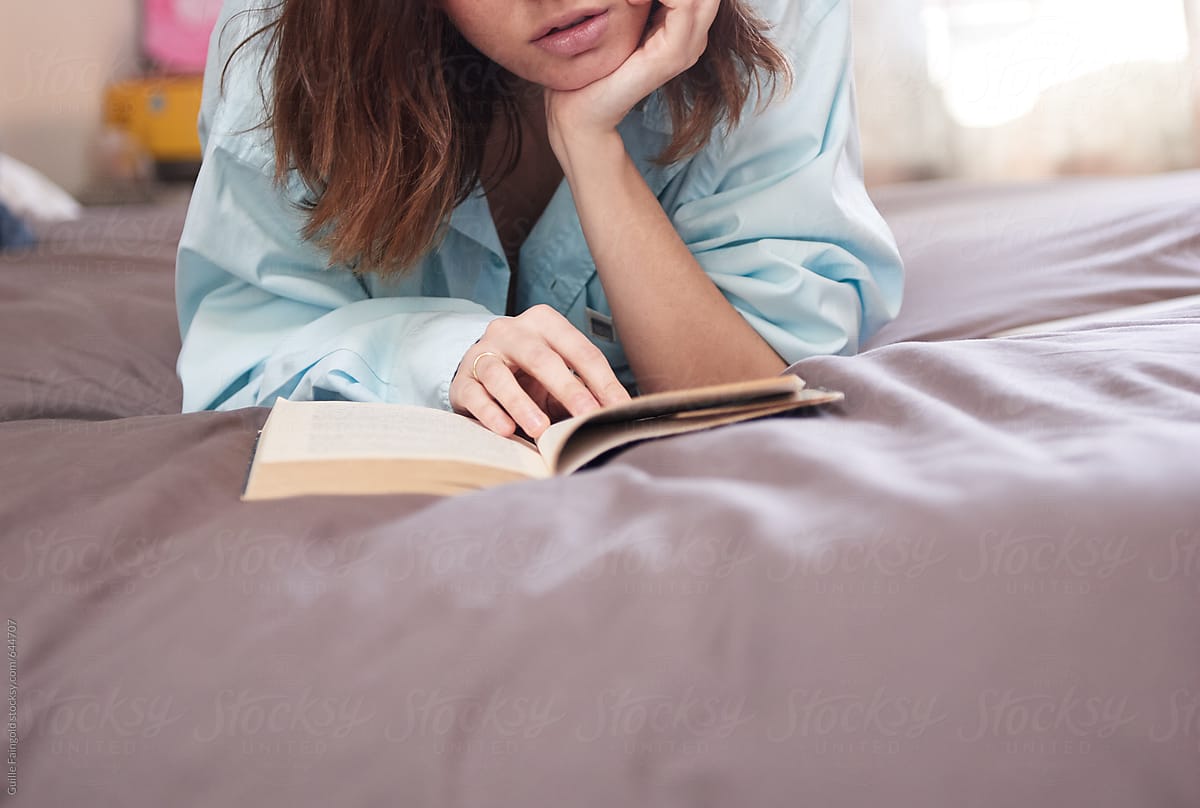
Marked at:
<point>449,337</point>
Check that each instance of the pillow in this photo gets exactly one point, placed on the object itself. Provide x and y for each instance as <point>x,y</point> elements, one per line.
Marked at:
<point>89,328</point>
<point>28,193</point>
<point>982,258</point>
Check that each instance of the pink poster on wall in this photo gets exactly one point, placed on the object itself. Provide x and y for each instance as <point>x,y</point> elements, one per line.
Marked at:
<point>175,32</point>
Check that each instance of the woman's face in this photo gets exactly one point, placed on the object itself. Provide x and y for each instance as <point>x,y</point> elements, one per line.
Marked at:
<point>505,31</point>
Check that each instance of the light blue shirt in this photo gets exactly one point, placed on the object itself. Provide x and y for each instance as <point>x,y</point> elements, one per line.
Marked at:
<point>775,213</point>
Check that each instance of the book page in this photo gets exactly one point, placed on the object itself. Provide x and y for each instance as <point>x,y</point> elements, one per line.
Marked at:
<point>593,440</point>
<point>551,442</point>
<point>579,443</point>
<point>345,430</point>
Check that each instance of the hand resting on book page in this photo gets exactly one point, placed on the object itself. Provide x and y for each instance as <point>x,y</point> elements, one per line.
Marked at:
<point>541,369</point>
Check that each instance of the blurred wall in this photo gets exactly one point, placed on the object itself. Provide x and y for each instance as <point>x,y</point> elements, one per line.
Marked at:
<point>55,58</point>
<point>905,133</point>
<point>1026,89</point>
<point>1192,9</point>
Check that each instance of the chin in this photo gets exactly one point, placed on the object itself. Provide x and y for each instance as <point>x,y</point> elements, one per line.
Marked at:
<point>582,70</point>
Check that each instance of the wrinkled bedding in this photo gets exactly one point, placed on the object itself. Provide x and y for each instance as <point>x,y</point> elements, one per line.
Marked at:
<point>977,582</point>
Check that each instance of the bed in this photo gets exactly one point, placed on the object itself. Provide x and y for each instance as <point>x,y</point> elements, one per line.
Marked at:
<point>975,583</point>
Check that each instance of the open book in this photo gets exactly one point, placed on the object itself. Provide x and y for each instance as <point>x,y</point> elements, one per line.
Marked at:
<point>340,447</point>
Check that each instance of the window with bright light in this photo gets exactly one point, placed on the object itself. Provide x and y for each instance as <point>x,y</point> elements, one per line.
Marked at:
<point>993,59</point>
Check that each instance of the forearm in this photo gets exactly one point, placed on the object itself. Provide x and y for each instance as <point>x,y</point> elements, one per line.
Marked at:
<point>676,327</point>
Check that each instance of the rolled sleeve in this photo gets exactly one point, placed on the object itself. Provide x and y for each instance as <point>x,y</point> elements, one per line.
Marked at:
<point>781,220</point>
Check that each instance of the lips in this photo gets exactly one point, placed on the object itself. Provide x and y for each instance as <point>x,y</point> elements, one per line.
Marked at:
<point>567,20</point>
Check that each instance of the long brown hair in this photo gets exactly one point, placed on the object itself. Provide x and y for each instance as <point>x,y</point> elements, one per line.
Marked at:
<point>384,110</point>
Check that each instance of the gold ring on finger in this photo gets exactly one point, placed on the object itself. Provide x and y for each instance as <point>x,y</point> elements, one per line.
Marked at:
<point>475,364</point>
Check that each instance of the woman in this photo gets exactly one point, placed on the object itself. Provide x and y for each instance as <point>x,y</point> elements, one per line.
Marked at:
<point>437,202</point>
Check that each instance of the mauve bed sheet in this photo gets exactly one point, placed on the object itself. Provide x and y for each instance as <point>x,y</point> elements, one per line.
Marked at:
<point>976,583</point>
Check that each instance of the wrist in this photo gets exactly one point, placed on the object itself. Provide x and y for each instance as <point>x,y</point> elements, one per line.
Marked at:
<point>578,151</point>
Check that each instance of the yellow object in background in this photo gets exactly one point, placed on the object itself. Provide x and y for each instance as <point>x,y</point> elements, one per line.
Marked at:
<point>159,113</point>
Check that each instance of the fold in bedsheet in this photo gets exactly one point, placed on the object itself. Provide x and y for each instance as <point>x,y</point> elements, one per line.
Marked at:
<point>976,583</point>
